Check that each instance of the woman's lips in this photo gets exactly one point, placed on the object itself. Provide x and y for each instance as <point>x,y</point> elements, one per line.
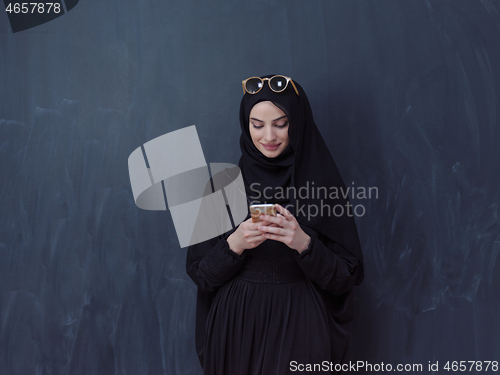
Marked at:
<point>270,147</point>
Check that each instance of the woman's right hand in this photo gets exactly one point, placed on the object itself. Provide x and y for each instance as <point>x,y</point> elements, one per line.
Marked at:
<point>247,236</point>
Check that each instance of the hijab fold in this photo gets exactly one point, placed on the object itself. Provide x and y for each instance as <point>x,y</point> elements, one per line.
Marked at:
<point>305,163</point>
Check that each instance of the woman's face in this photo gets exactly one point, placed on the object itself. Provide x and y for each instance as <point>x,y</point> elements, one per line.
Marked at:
<point>268,129</point>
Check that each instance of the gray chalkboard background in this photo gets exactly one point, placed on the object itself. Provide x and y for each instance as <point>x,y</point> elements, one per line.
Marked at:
<point>405,93</point>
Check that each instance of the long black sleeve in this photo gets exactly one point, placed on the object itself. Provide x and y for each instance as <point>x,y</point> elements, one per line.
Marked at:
<point>212,263</point>
<point>328,264</point>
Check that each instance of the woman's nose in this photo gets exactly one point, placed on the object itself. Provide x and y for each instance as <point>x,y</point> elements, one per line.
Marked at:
<point>270,136</point>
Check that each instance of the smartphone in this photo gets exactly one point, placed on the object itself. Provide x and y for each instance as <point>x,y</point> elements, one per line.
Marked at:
<point>261,209</point>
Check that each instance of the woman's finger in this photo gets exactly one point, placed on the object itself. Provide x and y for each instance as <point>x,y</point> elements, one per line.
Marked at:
<point>283,211</point>
<point>273,230</point>
<point>254,228</point>
<point>289,214</point>
<point>278,220</point>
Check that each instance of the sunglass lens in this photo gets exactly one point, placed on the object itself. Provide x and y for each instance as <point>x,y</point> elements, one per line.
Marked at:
<point>253,85</point>
<point>278,83</point>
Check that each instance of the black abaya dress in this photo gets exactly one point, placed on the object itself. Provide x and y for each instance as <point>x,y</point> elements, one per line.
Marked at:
<point>272,309</point>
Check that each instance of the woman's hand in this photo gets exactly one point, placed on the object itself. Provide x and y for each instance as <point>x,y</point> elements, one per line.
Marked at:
<point>247,236</point>
<point>287,230</point>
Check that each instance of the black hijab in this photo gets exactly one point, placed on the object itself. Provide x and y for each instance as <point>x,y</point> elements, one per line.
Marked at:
<point>306,162</point>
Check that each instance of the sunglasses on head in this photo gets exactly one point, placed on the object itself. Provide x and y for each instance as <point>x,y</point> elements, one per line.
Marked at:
<point>253,85</point>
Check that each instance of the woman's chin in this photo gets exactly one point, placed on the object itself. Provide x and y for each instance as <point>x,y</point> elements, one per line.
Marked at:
<point>271,154</point>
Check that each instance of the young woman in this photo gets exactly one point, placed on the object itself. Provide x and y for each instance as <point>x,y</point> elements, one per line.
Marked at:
<point>276,296</point>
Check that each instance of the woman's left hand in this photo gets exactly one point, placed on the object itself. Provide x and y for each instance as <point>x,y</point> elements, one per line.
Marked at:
<point>287,230</point>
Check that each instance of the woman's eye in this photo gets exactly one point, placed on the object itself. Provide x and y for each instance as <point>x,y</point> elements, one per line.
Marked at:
<point>282,125</point>
<point>257,127</point>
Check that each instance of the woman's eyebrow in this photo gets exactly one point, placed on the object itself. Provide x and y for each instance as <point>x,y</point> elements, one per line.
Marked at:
<point>279,118</point>
<point>255,119</point>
